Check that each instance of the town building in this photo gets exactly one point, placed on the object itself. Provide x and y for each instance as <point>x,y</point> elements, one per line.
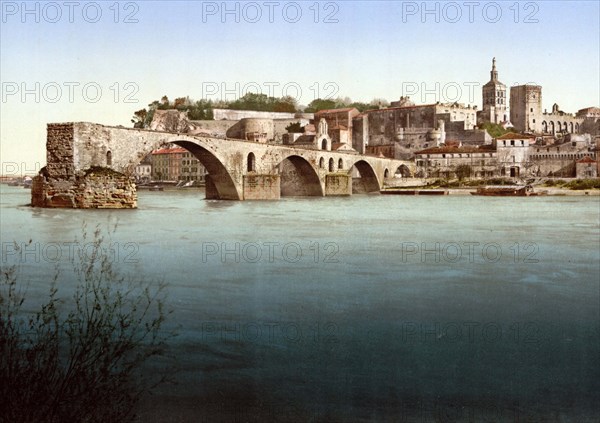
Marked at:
<point>586,168</point>
<point>559,159</point>
<point>526,113</point>
<point>589,112</point>
<point>176,164</point>
<point>445,161</point>
<point>143,171</point>
<point>192,169</point>
<point>339,123</point>
<point>400,131</point>
<point>512,155</point>
<point>318,138</point>
<point>512,151</point>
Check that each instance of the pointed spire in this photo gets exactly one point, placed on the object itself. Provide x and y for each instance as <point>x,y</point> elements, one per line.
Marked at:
<point>494,72</point>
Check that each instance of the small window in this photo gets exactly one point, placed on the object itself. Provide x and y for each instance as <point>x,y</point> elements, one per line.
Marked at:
<point>251,162</point>
<point>108,158</point>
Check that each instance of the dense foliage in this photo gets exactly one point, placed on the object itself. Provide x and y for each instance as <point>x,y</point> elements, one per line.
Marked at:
<point>203,109</point>
<point>494,129</point>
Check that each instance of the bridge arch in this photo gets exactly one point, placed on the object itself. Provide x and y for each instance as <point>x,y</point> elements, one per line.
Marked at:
<point>220,185</point>
<point>403,171</point>
<point>299,178</point>
<point>368,181</point>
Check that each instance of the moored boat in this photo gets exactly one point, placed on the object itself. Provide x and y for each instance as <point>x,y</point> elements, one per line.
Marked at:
<point>413,192</point>
<point>507,191</point>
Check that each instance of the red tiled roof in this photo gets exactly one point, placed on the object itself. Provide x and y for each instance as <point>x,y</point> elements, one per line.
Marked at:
<point>586,159</point>
<point>387,109</point>
<point>513,136</point>
<point>170,150</point>
<point>329,111</point>
<point>464,149</point>
<point>305,139</point>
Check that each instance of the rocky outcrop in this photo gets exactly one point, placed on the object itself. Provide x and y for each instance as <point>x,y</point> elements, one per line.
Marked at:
<point>171,120</point>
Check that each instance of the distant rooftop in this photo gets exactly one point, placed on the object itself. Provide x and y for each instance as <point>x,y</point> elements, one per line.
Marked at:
<point>514,136</point>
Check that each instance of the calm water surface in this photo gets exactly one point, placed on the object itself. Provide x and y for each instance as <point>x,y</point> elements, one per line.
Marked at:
<point>366,308</point>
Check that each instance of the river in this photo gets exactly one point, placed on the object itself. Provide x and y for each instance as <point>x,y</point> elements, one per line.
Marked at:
<point>362,308</point>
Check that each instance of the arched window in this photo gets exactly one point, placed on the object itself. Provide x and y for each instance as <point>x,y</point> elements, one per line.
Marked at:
<point>340,164</point>
<point>108,158</point>
<point>331,165</point>
<point>386,174</point>
<point>322,163</point>
<point>324,144</point>
<point>251,163</point>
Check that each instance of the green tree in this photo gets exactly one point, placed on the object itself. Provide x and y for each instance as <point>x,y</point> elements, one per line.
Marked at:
<point>494,129</point>
<point>320,104</point>
<point>286,104</point>
<point>201,110</point>
<point>294,127</point>
<point>140,118</point>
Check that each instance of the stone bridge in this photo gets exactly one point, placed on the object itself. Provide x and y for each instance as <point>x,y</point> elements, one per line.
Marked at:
<point>90,166</point>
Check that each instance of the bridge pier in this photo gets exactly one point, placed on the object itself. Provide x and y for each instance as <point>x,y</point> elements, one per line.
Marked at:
<point>262,187</point>
<point>338,184</point>
<point>211,189</point>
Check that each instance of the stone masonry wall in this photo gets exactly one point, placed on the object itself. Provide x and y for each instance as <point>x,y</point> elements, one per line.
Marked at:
<point>60,151</point>
<point>62,184</point>
<point>99,188</point>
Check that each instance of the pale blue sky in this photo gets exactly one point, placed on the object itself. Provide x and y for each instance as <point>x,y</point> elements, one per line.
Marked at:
<point>376,49</point>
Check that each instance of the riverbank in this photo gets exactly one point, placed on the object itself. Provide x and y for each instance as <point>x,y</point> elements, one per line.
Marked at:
<point>550,191</point>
